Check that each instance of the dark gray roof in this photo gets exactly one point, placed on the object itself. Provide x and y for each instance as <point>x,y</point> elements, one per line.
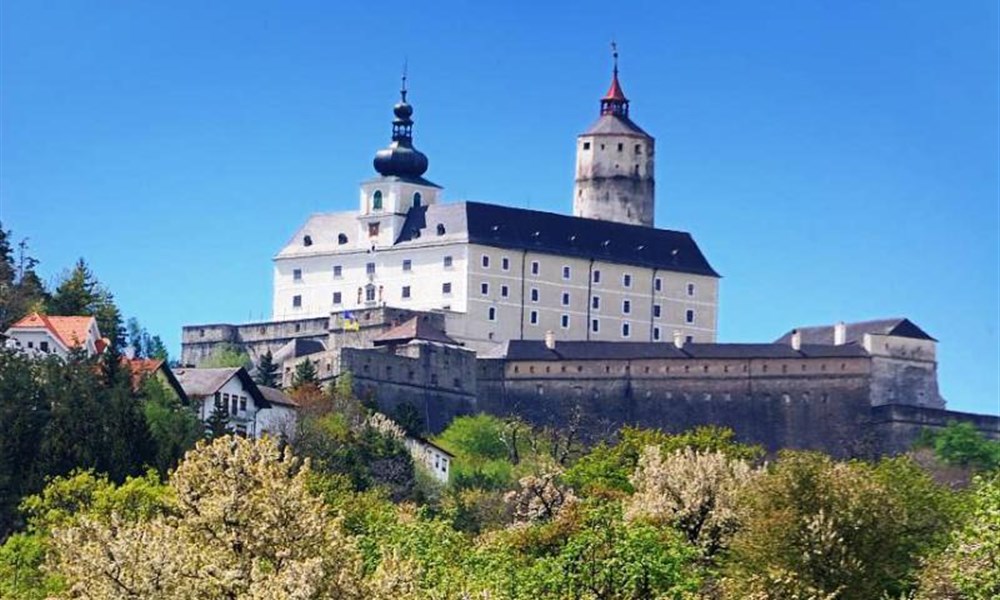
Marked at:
<point>563,235</point>
<point>417,328</point>
<point>583,350</point>
<point>205,382</point>
<point>276,396</point>
<point>615,125</point>
<point>391,178</point>
<point>823,334</point>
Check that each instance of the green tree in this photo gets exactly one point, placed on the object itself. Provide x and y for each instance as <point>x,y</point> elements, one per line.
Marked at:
<point>157,349</point>
<point>175,428</point>
<point>408,417</point>
<point>963,445</point>
<point>267,371</point>
<point>24,417</point>
<point>218,423</point>
<point>481,453</point>
<point>21,290</point>
<point>80,293</point>
<point>226,356</point>
<point>305,374</point>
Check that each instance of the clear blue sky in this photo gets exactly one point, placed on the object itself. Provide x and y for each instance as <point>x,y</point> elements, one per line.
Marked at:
<point>835,160</point>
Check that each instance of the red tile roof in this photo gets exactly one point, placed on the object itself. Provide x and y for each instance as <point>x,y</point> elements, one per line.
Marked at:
<point>71,331</point>
<point>141,367</point>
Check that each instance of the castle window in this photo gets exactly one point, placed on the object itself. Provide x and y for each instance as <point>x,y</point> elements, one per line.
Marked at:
<point>504,291</point>
<point>484,288</point>
<point>533,317</point>
<point>373,230</point>
<point>784,368</point>
<point>690,289</point>
<point>621,147</point>
<point>406,291</point>
<point>491,314</point>
<point>626,330</point>
<point>626,307</point>
<point>407,265</point>
<point>656,334</point>
<point>689,316</point>
<point>689,339</point>
<point>338,271</point>
<point>297,275</point>
<point>370,293</point>
<point>296,301</point>
<point>597,276</point>
<point>586,145</point>
<point>370,268</point>
<point>337,298</point>
<point>658,284</point>
<point>595,303</point>
<point>656,311</point>
<point>446,288</point>
<point>564,321</point>
<point>595,325</point>
<point>417,199</point>
<point>486,261</point>
<point>627,280</point>
<point>505,264</point>
<point>602,146</point>
<point>377,200</point>
<point>638,148</point>
<point>307,241</point>
<point>447,262</point>
<point>565,298</point>
<point>566,272</point>
<point>534,267</point>
<point>341,239</point>
<point>440,229</point>
<point>705,369</point>
<point>534,294</point>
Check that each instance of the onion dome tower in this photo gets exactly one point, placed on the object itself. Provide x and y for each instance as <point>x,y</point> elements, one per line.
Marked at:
<point>614,164</point>
<point>399,187</point>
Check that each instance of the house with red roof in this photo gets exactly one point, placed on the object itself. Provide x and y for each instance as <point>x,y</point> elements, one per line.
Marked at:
<point>41,335</point>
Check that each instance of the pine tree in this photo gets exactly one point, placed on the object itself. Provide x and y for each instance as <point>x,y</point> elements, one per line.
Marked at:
<point>218,423</point>
<point>157,349</point>
<point>305,374</point>
<point>267,371</point>
<point>77,294</point>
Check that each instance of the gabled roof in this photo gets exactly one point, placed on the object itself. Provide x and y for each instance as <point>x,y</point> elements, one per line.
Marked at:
<point>563,235</point>
<point>823,334</point>
<point>206,382</point>
<point>70,331</point>
<point>582,350</point>
<point>145,367</point>
<point>276,396</point>
<point>417,328</point>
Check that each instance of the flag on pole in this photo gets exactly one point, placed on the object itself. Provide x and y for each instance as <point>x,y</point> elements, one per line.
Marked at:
<point>350,323</point>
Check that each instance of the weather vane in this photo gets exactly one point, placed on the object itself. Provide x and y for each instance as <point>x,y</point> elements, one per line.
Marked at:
<point>614,54</point>
<point>402,92</point>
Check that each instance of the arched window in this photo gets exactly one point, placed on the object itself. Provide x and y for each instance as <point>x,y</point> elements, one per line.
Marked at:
<point>417,199</point>
<point>342,239</point>
<point>377,200</point>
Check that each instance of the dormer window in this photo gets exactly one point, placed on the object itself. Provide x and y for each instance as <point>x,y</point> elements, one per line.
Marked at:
<point>342,239</point>
<point>377,200</point>
<point>418,199</point>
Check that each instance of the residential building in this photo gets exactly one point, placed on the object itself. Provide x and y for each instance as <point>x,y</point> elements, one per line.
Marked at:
<point>42,335</point>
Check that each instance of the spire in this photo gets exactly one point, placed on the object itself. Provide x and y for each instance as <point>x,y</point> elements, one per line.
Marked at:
<point>614,102</point>
<point>401,159</point>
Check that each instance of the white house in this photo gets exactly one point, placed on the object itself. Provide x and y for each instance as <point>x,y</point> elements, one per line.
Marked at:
<point>434,458</point>
<point>231,389</point>
<point>279,420</point>
<point>41,335</point>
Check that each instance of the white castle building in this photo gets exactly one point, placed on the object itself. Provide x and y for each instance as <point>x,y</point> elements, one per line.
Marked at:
<point>500,273</point>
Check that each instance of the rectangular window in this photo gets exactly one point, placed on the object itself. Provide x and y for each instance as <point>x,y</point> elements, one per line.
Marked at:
<point>533,317</point>
<point>486,262</point>
<point>447,262</point>
<point>234,407</point>
<point>484,288</point>
<point>407,265</point>
<point>297,275</point>
<point>43,346</point>
<point>337,298</point>
<point>597,276</point>
<point>626,306</point>
<point>638,148</point>
<point>658,284</point>
<point>373,230</point>
<point>446,288</point>
<point>595,326</point>
<point>565,298</point>
<point>243,403</point>
<point>689,339</point>
<point>296,301</point>
<point>595,303</point>
<point>564,321</point>
<point>586,145</point>
<point>504,291</point>
<point>534,294</point>
<point>534,267</point>
<point>406,291</point>
<point>627,280</point>
<point>338,271</point>
<point>690,289</point>
<point>656,311</point>
<point>370,293</point>
<point>656,334</point>
<point>626,330</point>
<point>621,147</point>
<point>566,272</point>
<point>689,316</point>
<point>505,263</point>
<point>491,314</point>
<point>370,268</point>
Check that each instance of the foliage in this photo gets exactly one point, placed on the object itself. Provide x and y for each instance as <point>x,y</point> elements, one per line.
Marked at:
<point>539,498</point>
<point>143,344</point>
<point>481,450</point>
<point>21,573</point>
<point>226,356</point>
<point>408,417</point>
<point>21,289</point>
<point>175,428</point>
<point>305,374</point>
<point>963,445</point>
<point>80,293</point>
<point>266,373</point>
<point>217,424</point>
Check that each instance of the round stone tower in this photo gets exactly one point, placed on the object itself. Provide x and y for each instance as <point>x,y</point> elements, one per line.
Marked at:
<point>614,165</point>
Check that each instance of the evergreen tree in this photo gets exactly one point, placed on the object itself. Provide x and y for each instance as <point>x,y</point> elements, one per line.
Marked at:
<point>21,290</point>
<point>157,349</point>
<point>77,294</point>
<point>305,374</point>
<point>267,371</point>
<point>138,338</point>
<point>175,428</point>
<point>218,423</point>
<point>129,445</point>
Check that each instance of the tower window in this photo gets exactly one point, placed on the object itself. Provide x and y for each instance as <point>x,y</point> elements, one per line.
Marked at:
<point>407,264</point>
<point>626,307</point>
<point>505,264</point>
<point>296,301</point>
<point>595,325</point>
<point>690,289</point>
<point>534,294</point>
<point>689,316</point>
<point>586,145</point>
<point>377,200</point>
<point>534,267</point>
<point>440,229</point>
<point>602,146</point>
<point>417,199</point>
<point>627,280</point>
<point>638,148</point>
<point>486,261</point>
<point>341,239</point>
<point>337,298</point>
<point>370,293</point>
<point>406,291</point>
<point>658,284</point>
<point>566,272</point>
<point>565,298</point>
<point>656,311</point>
<point>370,268</point>
<point>446,288</point>
<point>595,303</point>
<point>533,317</point>
<point>307,240</point>
<point>447,262</point>
<point>484,288</point>
<point>656,334</point>
<point>338,271</point>
<point>297,275</point>
<point>621,147</point>
<point>564,321</point>
<point>504,291</point>
<point>491,314</point>
<point>626,330</point>
<point>597,276</point>
<point>373,230</point>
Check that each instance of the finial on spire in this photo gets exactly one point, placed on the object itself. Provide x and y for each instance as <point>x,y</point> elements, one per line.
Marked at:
<point>614,55</point>
<point>614,102</point>
<point>402,90</point>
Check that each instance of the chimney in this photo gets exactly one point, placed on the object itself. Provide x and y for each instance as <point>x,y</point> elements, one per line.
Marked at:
<point>678,340</point>
<point>840,334</point>
<point>796,340</point>
<point>550,340</point>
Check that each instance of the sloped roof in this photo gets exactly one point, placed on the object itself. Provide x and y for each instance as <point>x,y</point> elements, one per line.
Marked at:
<point>276,396</point>
<point>584,350</point>
<point>823,334</point>
<point>615,125</point>
<point>70,331</point>
<point>144,367</point>
<point>205,382</point>
<point>417,328</point>
<point>296,348</point>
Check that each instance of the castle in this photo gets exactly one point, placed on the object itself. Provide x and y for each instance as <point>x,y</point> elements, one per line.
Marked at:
<point>599,319</point>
